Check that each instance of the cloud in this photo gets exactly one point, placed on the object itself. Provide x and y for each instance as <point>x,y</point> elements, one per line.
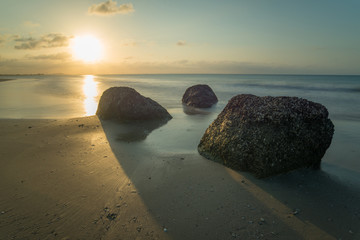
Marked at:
<point>2,40</point>
<point>135,66</point>
<point>136,43</point>
<point>203,67</point>
<point>129,43</point>
<point>51,40</point>
<point>181,43</point>
<point>129,58</point>
<point>31,24</point>
<point>182,62</point>
<point>109,8</point>
<point>53,57</point>
<point>6,61</point>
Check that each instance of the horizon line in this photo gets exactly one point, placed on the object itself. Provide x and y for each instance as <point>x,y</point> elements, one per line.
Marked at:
<point>274,74</point>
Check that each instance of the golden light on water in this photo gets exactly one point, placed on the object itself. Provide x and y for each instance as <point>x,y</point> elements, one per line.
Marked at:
<point>90,92</point>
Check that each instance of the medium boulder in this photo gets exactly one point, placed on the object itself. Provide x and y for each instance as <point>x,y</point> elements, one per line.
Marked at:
<point>200,96</point>
<point>268,135</point>
<point>126,104</point>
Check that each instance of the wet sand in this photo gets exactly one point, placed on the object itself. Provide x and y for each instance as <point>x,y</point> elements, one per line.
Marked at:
<point>6,79</point>
<point>81,179</point>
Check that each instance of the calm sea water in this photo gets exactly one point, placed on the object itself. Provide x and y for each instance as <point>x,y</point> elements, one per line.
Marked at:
<point>75,96</point>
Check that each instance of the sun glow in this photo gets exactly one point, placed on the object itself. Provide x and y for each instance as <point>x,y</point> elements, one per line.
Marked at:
<point>87,48</point>
<point>90,93</point>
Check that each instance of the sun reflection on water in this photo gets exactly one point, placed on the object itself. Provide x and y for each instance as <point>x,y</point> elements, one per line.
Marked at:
<point>90,93</point>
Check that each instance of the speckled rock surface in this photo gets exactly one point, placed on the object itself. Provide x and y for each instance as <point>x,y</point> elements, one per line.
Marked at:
<point>126,104</point>
<point>200,96</point>
<point>268,135</point>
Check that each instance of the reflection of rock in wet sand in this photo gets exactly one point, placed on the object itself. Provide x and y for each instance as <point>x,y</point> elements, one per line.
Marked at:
<point>193,110</point>
<point>132,132</point>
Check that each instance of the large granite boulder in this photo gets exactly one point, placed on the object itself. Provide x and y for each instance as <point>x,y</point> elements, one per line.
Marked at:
<point>268,135</point>
<point>200,96</point>
<point>126,104</point>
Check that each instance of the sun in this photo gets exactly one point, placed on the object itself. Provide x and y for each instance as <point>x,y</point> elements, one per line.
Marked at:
<point>87,48</point>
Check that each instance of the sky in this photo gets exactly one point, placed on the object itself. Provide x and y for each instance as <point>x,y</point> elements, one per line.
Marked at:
<point>188,36</point>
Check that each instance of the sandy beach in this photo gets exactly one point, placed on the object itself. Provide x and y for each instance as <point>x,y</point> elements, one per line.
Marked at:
<point>279,80</point>
<point>79,179</point>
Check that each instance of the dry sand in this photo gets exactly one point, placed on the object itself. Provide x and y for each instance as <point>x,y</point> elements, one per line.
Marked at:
<point>72,179</point>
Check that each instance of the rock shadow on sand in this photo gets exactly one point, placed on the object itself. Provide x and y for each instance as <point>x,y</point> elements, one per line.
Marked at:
<point>194,198</point>
<point>319,197</point>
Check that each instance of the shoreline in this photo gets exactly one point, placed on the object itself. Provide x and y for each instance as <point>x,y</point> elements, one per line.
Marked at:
<point>7,79</point>
<point>73,179</point>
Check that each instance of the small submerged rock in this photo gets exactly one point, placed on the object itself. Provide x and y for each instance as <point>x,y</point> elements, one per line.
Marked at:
<point>111,216</point>
<point>268,135</point>
<point>199,96</point>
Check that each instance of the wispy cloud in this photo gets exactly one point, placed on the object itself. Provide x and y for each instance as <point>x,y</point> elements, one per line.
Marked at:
<point>203,67</point>
<point>5,38</point>
<point>51,40</point>
<point>52,57</point>
<point>30,24</point>
<point>181,43</point>
<point>2,40</point>
<point>136,43</point>
<point>6,61</point>
<point>129,43</point>
<point>110,7</point>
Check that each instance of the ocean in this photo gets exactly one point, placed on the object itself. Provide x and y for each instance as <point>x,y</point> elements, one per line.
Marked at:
<point>66,96</point>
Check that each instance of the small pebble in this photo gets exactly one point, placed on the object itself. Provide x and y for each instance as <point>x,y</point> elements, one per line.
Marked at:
<point>111,216</point>
<point>165,230</point>
<point>296,212</point>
